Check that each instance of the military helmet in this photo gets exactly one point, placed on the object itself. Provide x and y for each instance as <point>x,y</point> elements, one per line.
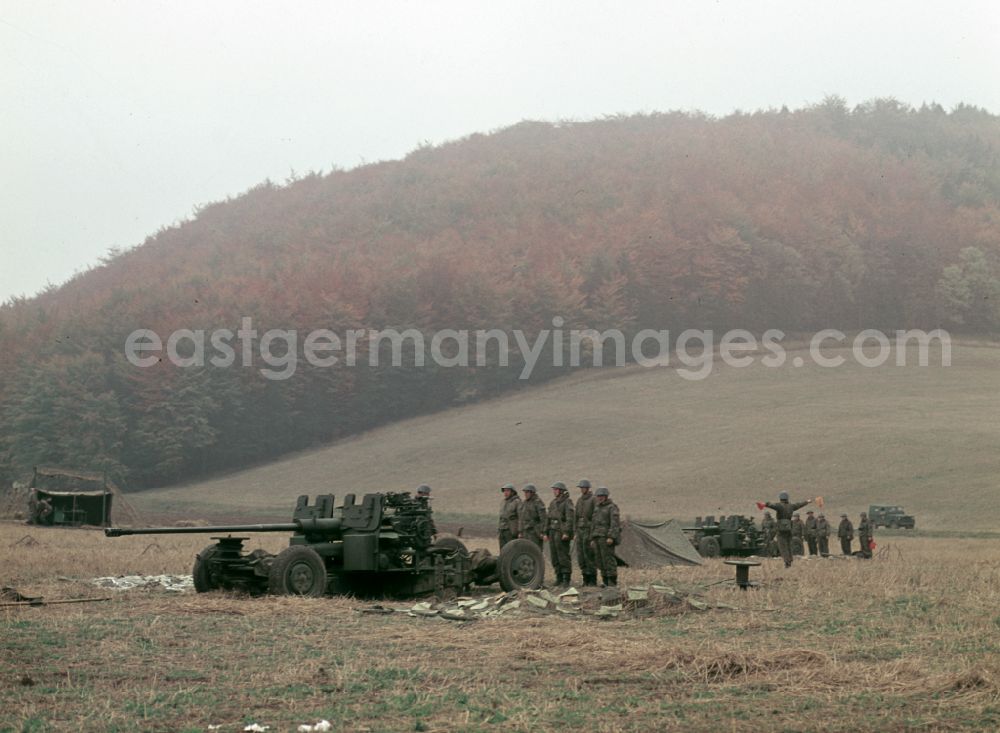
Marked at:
<point>783,496</point>
<point>508,486</point>
<point>844,516</point>
<point>583,484</point>
<point>602,491</point>
<point>822,516</point>
<point>558,485</point>
<point>423,490</point>
<point>809,512</point>
<point>530,487</point>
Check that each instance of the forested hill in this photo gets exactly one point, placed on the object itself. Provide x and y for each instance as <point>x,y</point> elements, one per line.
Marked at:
<point>878,217</point>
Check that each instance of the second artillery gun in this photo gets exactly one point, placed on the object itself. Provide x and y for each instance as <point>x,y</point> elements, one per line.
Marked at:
<point>382,545</point>
<point>732,536</point>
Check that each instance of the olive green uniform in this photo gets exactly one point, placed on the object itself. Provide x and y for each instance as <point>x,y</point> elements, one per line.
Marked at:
<point>783,511</point>
<point>585,557</point>
<point>531,520</point>
<point>823,536</point>
<point>507,529</point>
<point>845,532</point>
<point>768,528</point>
<point>562,521</point>
<point>798,537</point>
<point>810,534</point>
<point>865,536</point>
<point>606,526</point>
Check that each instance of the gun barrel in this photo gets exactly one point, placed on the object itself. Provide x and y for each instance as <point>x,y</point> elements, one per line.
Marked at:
<point>123,531</point>
<point>310,525</point>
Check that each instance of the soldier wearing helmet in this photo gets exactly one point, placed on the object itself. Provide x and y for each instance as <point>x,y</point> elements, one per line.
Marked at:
<point>531,517</point>
<point>810,533</point>
<point>562,523</point>
<point>845,533</point>
<point>424,497</point>
<point>768,528</point>
<point>783,510</point>
<point>798,536</point>
<point>584,515</point>
<point>507,528</point>
<point>605,533</point>
<point>823,535</point>
<point>865,535</point>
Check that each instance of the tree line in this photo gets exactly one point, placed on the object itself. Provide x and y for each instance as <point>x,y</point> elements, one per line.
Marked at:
<point>879,216</point>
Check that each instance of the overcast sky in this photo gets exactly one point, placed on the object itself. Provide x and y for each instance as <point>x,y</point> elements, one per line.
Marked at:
<point>119,118</point>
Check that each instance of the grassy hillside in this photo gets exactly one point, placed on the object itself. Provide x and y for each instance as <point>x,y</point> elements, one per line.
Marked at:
<point>924,437</point>
<point>879,217</point>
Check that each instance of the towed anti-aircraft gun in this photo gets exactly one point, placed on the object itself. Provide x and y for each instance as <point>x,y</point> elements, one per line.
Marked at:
<point>732,536</point>
<point>384,545</point>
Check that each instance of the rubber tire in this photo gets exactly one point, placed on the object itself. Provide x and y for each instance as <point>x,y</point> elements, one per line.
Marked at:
<point>297,571</point>
<point>451,543</point>
<point>709,547</point>
<point>204,580</point>
<point>521,565</point>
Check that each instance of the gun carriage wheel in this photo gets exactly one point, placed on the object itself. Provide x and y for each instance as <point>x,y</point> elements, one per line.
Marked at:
<point>298,571</point>
<point>521,565</point>
<point>708,547</point>
<point>204,571</point>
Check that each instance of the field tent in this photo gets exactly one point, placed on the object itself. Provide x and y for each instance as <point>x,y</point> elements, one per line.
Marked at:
<point>650,544</point>
<point>81,498</point>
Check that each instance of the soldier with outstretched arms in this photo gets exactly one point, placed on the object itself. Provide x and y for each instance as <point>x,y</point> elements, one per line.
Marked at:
<point>783,511</point>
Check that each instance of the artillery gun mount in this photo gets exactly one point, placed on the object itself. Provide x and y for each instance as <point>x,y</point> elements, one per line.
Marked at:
<point>383,545</point>
<point>732,536</point>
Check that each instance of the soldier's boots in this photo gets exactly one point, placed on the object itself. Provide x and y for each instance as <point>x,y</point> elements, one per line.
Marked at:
<point>590,579</point>
<point>609,582</point>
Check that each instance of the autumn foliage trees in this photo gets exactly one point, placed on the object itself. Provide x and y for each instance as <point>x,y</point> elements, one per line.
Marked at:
<point>882,216</point>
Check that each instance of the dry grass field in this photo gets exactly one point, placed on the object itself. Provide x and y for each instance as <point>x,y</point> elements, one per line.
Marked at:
<point>924,437</point>
<point>907,641</point>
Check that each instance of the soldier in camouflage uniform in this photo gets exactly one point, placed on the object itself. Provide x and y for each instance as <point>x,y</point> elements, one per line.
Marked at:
<point>845,532</point>
<point>783,510</point>
<point>562,521</point>
<point>798,536</point>
<point>584,514</point>
<point>767,530</point>
<point>531,517</point>
<point>507,529</point>
<point>823,535</point>
<point>810,534</point>
<point>605,533</point>
<point>865,535</point>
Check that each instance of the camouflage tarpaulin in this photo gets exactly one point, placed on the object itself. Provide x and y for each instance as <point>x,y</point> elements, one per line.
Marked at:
<point>647,544</point>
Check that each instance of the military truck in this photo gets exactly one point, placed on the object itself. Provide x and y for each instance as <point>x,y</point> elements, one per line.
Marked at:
<point>382,545</point>
<point>891,516</point>
<point>732,536</point>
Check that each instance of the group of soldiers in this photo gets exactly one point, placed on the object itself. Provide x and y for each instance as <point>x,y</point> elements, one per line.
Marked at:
<point>792,535</point>
<point>593,522</point>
